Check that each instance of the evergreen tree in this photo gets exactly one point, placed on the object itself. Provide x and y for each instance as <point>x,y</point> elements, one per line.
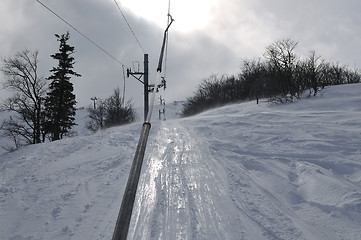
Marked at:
<point>60,101</point>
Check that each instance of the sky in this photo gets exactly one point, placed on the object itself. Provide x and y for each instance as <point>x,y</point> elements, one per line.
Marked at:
<point>208,37</point>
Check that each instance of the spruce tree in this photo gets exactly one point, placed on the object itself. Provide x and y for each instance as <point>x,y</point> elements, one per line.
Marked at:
<point>60,101</point>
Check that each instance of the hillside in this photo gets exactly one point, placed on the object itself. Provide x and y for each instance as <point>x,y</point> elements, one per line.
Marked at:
<point>244,171</point>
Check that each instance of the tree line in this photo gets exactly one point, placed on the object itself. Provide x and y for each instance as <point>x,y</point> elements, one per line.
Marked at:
<point>44,108</point>
<point>280,75</point>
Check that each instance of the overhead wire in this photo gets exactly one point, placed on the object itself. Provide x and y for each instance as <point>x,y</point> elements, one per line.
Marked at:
<point>130,28</point>
<point>83,35</point>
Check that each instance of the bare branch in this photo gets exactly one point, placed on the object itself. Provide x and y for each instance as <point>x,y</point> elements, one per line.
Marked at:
<point>28,90</point>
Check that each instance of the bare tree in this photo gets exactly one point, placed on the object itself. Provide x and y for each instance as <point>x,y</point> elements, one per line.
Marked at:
<point>28,90</point>
<point>313,71</point>
<point>97,116</point>
<point>282,58</point>
<point>110,112</point>
<point>117,112</point>
<point>353,76</point>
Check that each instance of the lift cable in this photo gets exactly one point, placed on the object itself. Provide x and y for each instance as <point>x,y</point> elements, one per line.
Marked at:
<point>75,29</point>
<point>130,28</point>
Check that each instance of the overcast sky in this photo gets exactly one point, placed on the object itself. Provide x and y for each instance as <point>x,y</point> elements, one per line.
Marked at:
<point>207,37</point>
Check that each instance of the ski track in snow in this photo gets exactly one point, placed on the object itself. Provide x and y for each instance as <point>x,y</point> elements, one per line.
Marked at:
<point>180,192</point>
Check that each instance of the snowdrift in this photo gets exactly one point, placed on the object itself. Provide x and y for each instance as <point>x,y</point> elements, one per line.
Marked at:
<point>244,171</point>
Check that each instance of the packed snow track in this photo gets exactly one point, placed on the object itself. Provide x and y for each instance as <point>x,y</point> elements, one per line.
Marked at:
<point>180,192</point>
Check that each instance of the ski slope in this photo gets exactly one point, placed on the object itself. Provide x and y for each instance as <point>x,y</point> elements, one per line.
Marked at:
<point>244,171</point>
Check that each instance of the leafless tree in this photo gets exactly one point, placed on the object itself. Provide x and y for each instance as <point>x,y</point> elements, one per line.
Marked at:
<point>97,116</point>
<point>313,72</point>
<point>110,112</point>
<point>282,58</point>
<point>28,91</point>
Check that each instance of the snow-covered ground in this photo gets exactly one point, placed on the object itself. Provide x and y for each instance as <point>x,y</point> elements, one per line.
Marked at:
<point>245,171</point>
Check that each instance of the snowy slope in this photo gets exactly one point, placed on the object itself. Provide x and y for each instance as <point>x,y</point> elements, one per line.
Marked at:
<point>245,171</point>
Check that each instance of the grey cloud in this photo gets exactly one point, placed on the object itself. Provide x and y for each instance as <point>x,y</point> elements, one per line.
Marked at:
<point>237,29</point>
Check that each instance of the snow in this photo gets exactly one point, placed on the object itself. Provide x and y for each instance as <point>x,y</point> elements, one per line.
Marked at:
<point>244,171</point>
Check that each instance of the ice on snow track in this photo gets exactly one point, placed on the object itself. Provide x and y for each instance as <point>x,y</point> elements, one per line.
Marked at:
<point>180,194</point>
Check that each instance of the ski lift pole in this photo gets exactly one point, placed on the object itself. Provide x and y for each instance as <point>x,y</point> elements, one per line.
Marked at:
<point>126,208</point>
